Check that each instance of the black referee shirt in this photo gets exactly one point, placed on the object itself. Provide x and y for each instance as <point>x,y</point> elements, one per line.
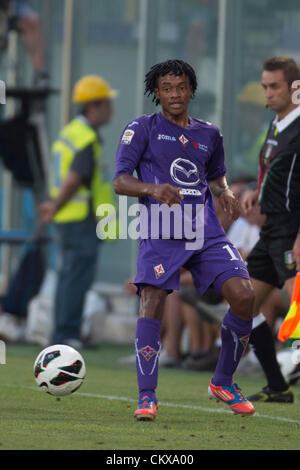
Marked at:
<point>279,175</point>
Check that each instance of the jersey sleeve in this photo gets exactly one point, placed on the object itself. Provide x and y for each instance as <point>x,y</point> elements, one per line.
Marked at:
<point>132,145</point>
<point>216,166</point>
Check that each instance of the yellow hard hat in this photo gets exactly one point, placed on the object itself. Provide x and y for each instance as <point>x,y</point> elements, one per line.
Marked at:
<point>252,93</point>
<point>91,88</point>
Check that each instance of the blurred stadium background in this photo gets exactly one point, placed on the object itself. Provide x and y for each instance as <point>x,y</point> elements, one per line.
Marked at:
<point>226,41</point>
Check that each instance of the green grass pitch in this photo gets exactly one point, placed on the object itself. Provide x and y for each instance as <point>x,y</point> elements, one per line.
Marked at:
<point>99,416</point>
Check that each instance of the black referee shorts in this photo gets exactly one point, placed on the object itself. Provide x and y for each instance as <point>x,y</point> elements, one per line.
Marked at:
<point>271,260</point>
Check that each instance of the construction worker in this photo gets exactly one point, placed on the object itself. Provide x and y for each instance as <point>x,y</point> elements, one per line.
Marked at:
<point>77,188</point>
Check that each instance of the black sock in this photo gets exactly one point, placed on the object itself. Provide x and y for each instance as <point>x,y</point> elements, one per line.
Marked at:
<point>264,347</point>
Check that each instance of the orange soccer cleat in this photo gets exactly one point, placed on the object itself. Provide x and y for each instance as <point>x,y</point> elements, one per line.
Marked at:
<point>146,410</point>
<point>233,397</point>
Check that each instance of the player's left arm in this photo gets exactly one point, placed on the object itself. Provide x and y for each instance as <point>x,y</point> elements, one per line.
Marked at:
<point>216,177</point>
<point>296,251</point>
<point>220,189</point>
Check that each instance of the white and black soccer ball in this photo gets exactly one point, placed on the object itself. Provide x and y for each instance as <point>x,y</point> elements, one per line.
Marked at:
<point>59,370</point>
<point>289,362</point>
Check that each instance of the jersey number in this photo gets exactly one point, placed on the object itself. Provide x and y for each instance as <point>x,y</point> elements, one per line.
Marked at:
<point>231,252</point>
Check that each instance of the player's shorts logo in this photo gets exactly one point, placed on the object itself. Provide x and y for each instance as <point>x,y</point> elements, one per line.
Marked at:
<point>159,270</point>
<point>289,260</point>
<point>184,172</point>
<point>147,352</point>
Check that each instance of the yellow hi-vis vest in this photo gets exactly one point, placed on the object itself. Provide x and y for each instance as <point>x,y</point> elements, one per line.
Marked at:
<point>75,137</point>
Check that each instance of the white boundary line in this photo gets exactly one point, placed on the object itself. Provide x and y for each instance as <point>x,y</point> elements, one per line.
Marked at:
<point>190,407</point>
<point>167,404</point>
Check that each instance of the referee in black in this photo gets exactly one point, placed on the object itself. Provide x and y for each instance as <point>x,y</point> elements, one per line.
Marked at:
<point>275,258</point>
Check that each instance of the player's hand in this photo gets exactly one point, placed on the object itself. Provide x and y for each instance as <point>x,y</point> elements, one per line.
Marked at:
<point>230,204</point>
<point>46,211</point>
<point>130,288</point>
<point>248,199</point>
<point>167,194</point>
<point>296,252</point>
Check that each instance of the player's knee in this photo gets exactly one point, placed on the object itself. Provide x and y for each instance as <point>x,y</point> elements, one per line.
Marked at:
<point>243,303</point>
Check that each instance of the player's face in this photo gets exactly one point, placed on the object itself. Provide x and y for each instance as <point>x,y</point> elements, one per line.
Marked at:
<point>277,92</point>
<point>174,93</point>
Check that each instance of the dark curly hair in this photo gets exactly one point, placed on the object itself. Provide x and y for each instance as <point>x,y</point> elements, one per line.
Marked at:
<point>176,67</point>
<point>289,67</point>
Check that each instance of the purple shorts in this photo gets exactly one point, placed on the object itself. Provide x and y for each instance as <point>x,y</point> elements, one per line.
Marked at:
<point>159,263</point>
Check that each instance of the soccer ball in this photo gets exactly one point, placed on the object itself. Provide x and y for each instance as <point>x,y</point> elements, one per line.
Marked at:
<point>59,370</point>
<point>289,362</point>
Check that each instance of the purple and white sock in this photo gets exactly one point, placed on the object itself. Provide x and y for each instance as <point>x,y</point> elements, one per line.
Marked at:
<point>148,346</point>
<point>235,334</point>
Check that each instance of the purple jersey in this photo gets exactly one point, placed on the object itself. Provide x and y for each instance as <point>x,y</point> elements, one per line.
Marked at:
<point>163,152</point>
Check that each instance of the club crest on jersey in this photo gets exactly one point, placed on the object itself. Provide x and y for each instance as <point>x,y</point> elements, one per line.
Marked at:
<point>159,270</point>
<point>147,352</point>
<point>183,139</point>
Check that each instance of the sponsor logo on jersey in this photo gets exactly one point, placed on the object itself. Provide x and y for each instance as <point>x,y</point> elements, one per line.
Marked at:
<point>190,192</point>
<point>199,146</point>
<point>184,172</point>
<point>166,137</point>
<point>159,270</point>
<point>127,137</point>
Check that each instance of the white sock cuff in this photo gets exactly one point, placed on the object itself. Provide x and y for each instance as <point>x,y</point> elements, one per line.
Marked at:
<point>258,320</point>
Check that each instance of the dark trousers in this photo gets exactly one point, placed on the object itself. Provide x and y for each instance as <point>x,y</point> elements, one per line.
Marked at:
<point>78,248</point>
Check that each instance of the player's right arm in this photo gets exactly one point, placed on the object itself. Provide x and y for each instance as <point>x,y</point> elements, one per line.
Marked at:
<point>132,146</point>
<point>128,185</point>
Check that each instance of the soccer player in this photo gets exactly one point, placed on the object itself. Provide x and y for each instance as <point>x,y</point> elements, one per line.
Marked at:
<point>180,162</point>
<point>275,258</point>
